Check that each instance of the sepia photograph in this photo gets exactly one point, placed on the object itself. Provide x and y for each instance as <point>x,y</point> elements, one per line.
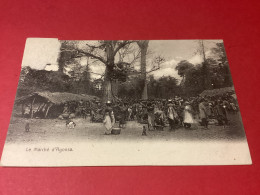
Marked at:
<point>125,102</point>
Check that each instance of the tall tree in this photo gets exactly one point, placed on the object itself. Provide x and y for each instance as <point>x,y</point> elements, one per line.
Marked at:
<point>109,50</point>
<point>67,54</point>
<point>221,57</point>
<point>143,45</point>
<point>205,67</point>
<point>182,68</point>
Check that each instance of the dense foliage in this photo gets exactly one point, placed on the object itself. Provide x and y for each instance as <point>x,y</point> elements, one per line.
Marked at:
<point>32,80</point>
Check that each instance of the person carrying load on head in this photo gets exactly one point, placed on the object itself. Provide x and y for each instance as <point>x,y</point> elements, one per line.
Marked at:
<point>111,112</point>
<point>107,122</point>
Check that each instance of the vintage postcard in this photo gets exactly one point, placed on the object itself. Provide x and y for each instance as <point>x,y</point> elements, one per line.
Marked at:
<point>125,102</point>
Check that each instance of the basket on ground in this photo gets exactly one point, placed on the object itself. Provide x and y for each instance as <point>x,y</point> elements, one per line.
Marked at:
<point>116,131</point>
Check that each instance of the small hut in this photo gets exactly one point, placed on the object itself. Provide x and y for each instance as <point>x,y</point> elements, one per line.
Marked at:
<point>49,104</point>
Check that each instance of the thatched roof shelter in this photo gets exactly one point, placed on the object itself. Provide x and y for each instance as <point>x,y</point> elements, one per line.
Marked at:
<point>40,104</point>
<point>55,97</point>
<point>219,91</point>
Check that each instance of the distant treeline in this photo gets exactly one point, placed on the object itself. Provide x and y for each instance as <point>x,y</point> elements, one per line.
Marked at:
<point>32,80</point>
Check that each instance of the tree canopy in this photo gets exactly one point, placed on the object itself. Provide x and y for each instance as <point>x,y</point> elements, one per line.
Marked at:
<point>121,77</point>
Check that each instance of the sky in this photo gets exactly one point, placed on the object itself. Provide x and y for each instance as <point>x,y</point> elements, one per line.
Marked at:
<point>42,51</point>
<point>176,50</point>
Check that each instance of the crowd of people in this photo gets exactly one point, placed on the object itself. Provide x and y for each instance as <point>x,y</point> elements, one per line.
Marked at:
<point>159,113</point>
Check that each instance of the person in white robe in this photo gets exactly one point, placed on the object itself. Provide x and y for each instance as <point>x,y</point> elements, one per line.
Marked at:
<point>188,118</point>
<point>107,123</point>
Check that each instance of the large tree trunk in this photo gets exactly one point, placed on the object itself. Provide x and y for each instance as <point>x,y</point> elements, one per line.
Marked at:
<point>111,85</point>
<point>108,93</point>
<point>61,62</point>
<point>114,86</point>
<point>143,45</point>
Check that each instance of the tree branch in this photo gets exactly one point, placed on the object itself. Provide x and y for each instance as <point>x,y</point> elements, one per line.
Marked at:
<point>121,45</point>
<point>153,70</point>
<point>95,73</point>
<point>136,57</point>
<point>93,56</point>
<point>136,73</point>
<point>95,47</point>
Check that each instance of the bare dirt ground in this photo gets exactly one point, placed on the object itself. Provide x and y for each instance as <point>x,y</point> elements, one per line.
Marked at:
<point>43,130</point>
